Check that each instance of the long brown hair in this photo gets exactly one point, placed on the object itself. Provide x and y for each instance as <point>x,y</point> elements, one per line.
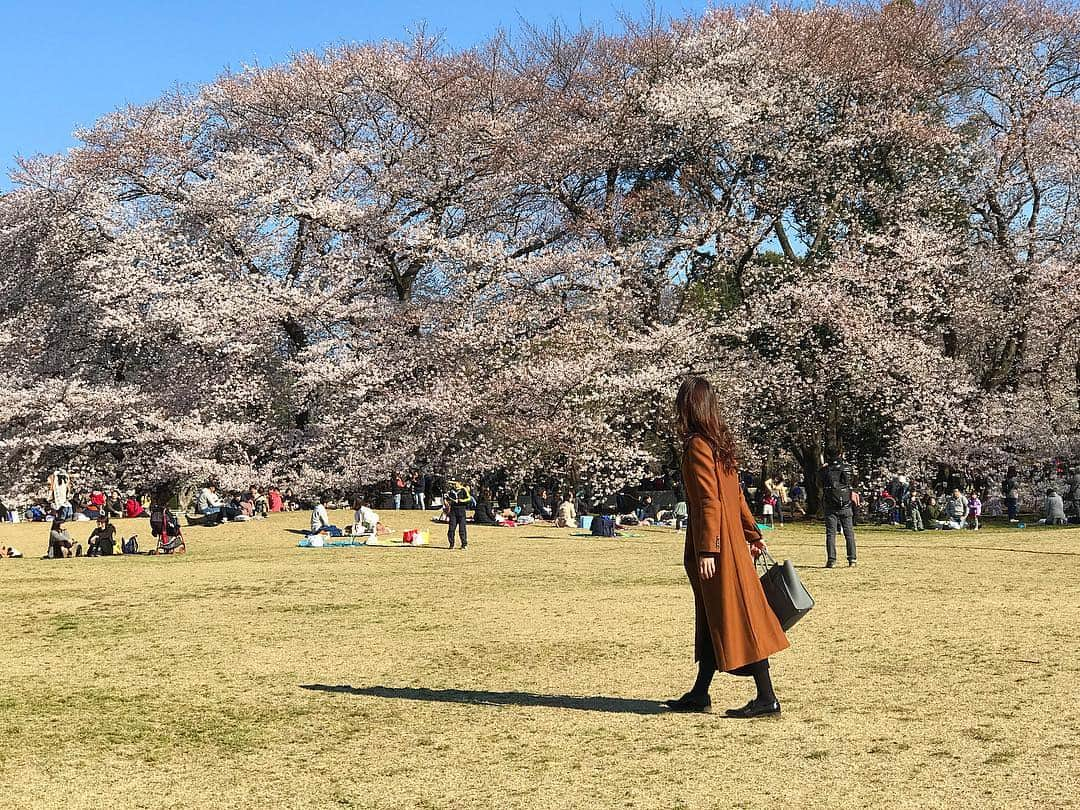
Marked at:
<point>697,412</point>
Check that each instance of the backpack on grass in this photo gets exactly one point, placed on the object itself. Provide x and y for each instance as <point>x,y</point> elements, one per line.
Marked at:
<point>131,545</point>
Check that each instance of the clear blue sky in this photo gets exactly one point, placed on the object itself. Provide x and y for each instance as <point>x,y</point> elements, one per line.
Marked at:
<point>63,64</point>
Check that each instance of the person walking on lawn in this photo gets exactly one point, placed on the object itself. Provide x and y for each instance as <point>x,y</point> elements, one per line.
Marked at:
<point>735,630</point>
<point>836,478</point>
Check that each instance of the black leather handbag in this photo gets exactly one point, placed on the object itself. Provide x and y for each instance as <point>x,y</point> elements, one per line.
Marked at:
<point>785,592</point>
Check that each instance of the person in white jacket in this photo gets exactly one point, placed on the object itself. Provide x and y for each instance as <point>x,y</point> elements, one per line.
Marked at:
<point>1054,509</point>
<point>365,520</point>
<point>319,519</point>
<point>59,493</point>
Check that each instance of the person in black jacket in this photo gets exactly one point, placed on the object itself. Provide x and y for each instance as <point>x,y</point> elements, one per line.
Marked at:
<point>541,505</point>
<point>102,539</point>
<point>485,510</point>
<point>836,479</point>
<point>458,499</point>
<point>1011,490</point>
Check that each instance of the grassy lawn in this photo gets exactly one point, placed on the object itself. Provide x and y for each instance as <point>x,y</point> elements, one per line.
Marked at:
<point>943,671</point>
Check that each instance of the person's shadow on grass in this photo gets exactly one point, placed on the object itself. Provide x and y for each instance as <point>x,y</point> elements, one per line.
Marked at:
<point>486,698</point>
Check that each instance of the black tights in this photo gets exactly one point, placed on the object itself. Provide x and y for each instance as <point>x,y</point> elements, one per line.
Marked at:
<point>759,671</point>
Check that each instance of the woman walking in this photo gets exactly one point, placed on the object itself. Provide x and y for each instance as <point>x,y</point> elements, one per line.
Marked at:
<point>734,628</point>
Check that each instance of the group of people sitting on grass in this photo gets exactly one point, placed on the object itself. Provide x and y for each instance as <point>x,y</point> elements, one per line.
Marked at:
<point>81,505</point>
<point>564,512</point>
<point>904,503</point>
<point>251,504</point>
<point>365,523</point>
<point>103,541</point>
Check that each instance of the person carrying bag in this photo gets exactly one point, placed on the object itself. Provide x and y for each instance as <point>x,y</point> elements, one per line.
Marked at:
<point>735,630</point>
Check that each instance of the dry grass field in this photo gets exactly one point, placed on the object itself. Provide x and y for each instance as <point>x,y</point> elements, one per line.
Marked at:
<point>943,671</point>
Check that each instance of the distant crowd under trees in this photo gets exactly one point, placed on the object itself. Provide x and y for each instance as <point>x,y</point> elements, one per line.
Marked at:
<point>860,221</point>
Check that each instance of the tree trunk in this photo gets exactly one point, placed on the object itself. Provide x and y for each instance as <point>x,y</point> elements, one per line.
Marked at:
<point>809,458</point>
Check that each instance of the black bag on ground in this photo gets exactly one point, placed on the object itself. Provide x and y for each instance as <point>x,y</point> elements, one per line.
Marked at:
<point>785,592</point>
<point>603,526</point>
<point>130,546</point>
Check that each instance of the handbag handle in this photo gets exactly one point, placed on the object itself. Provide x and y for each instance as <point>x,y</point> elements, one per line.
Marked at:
<point>765,560</point>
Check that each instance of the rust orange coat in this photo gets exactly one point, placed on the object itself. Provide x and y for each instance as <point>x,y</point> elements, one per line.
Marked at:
<point>731,609</point>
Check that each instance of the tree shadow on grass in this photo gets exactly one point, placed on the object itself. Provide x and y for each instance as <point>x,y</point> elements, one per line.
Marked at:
<point>485,698</point>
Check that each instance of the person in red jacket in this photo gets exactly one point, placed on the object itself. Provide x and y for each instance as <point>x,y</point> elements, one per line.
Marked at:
<point>96,506</point>
<point>274,500</point>
<point>132,507</point>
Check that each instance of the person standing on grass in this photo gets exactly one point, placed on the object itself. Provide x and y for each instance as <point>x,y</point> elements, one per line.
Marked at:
<point>836,478</point>
<point>1010,489</point>
<point>798,500</point>
<point>397,487</point>
<point>681,512</point>
<point>974,510</point>
<point>60,493</point>
<point>735,630</point>
<point>775,486</point>
<point>915,513</point>
<point>419,493</point>
<point>457,502</point>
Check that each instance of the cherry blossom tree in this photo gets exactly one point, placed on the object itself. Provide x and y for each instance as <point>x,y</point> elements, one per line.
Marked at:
<point>860,221</point>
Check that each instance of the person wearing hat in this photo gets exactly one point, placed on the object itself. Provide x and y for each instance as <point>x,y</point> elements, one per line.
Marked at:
<point>457,501</point>
<point>836,479</point>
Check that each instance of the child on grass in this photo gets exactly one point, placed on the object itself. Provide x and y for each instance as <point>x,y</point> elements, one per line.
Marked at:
<point>974,511</point>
